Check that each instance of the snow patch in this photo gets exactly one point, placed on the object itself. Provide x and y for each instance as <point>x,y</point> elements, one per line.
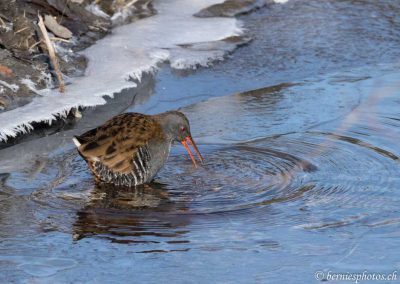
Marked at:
<point>120,16</point>
<point>12,87</point>
<point>46,77</point>
<point>30,84</point>
<point>96,10</point>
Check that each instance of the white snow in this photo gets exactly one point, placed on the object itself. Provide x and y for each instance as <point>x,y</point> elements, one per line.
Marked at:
<point>12,87</point>
<point>30,84</point>
<point>96,10</point>
<point>128,52</point>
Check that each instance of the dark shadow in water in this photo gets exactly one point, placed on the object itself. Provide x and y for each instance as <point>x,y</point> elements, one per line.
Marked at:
<point>268,91</point>
<point>359,142</point>
<point>5,191</point>
<point>143,214</point>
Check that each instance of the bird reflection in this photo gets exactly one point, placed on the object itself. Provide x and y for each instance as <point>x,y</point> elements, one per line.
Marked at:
<point>143,214</point>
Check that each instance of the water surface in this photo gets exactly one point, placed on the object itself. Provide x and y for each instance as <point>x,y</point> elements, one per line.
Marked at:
<point>299,130</point>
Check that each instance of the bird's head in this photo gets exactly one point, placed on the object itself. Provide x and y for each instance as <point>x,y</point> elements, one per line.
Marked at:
<point>176,125</point>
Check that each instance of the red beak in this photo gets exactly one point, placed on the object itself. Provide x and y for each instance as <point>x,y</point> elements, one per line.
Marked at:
<point>189,140</point>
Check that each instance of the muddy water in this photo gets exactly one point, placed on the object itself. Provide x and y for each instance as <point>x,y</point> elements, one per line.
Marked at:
<point>300,134</point>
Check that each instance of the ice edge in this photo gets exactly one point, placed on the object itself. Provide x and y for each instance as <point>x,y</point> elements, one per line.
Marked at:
<point>143,42</point>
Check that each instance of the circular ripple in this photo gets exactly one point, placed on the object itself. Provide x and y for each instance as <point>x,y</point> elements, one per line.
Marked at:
<point>234,178</point>
<point>326,174</point>
<point>334,170</point>
<point>352,172</point>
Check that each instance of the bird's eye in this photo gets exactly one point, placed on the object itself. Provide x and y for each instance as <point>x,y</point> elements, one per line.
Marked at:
<point>182,128</point>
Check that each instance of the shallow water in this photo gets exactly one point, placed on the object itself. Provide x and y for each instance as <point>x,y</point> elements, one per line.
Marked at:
<point>300,133</point>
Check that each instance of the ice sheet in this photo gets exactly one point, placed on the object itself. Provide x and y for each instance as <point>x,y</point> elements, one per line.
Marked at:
<point>128,52</point>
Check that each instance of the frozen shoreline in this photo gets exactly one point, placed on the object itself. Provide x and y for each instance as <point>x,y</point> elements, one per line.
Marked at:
<point>173,35</point>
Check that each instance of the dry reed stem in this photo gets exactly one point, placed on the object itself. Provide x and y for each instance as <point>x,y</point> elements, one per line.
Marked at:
<point>3,24</point>
<point>35,44</point>
<point>21,30</point>
<point>59,39</point>
<point>130,4</point>
<point>52,54</point>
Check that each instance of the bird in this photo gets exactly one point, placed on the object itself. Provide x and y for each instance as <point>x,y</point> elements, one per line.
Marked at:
<point>130,148</point>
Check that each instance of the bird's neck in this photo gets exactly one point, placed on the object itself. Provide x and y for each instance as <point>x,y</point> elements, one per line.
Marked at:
<point>165,120</point>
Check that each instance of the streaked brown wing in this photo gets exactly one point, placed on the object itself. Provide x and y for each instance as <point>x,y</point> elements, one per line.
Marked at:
<point>120,141</point>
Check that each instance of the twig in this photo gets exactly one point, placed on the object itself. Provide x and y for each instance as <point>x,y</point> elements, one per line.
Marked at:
<point>21,30</point>
<point>35,44</point>
<point>97,28</point>
<point>5,17</point>
<point>52,53</point>
<point>3,25</point>
<point>59,39</point>
<point>129,4</point>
